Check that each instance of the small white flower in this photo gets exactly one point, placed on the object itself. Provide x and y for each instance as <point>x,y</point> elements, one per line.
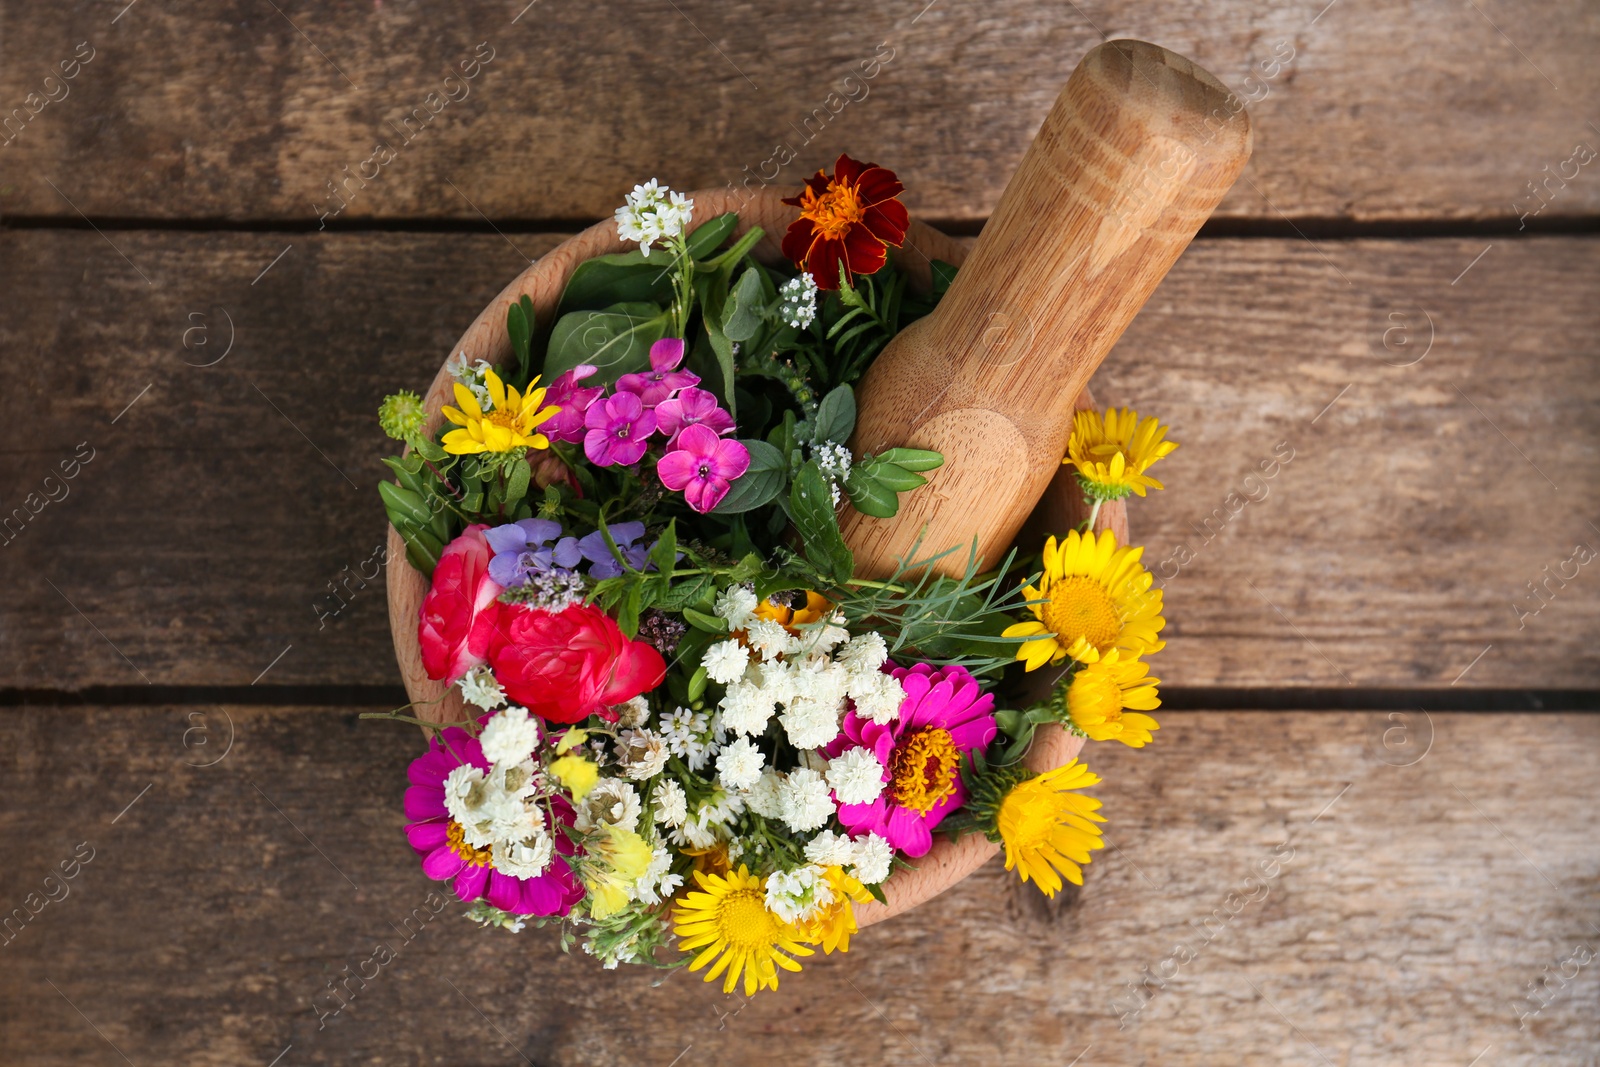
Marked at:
<point>633,713</point>
<point>735,606</point>
<point>526,858</point>
<point>873,857</point>
<point>856,776</point>
<point>864,654</point>
<point>612,802</point>
<point>768,638</point>
<point>725,661</point>
<point>517,780</point>
<point>651,213</point>
<point>833,459</point>
<point>672,807</point>
<point>465,791</point>
<point>878,697</point>
<point>746,708</point>
<point>829,849</point>
<point>804,800</point>
<point>510,736</point>
<point>799,306</point>
<point>739,764</point>
<point>810,723</point>
<point>478,687</point>
<point>797,895</point>
<point>641,753</point>
<point>765,798</point>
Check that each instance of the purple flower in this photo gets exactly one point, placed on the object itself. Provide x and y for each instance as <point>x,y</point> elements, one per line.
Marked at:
<point>702,465</point>
<point>602,564</point>
<point>522,549</point>
<point>664,378</point>
<point>619,430</point>
<point>689,407</point>
<point>564,393</point>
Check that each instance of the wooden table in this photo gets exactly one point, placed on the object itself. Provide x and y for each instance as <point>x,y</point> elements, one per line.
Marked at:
<point>1381,657</point>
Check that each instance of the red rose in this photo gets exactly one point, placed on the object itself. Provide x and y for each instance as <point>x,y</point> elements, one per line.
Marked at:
<point>460,612</point>
<point>567,665</point>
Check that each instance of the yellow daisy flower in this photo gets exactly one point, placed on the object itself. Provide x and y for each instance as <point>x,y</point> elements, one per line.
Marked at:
<point>1048,830</point>
<point>728,920</point>
<point>1112,452</point>
<point>1102,694</point>
<point>618,858</point>
<point>835,921</point>
<point>1093,597</point>
<point>508,424</point>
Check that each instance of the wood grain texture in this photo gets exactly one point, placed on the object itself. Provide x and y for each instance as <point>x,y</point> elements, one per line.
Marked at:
<point>1398,925</point>
<point>1397,542</point>
<point>1119,179</point>
<point>1394,110</point>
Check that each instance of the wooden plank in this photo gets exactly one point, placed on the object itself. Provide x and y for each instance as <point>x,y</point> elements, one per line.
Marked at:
<point>1381,902</point>
<point>1393,549</point>
<point>1394,111</point>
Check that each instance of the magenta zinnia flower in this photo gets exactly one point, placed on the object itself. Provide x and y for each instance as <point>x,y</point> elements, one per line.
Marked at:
<point>702,465</point>
<point>942,717</point>
<point>689,407</point>
<point>574,402</point>
<point>446,856</point>
<point>664,377</point>
<point>619,430</point>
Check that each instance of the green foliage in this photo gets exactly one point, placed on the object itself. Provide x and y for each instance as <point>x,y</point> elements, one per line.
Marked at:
<point>616,340</point>
<point>875,482</point>
<point>520,324</point>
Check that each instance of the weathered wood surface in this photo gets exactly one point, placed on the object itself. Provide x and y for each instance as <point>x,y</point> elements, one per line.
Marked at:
<point>1412,889</point>
<point>1394,549</point>
<point>239,111</point>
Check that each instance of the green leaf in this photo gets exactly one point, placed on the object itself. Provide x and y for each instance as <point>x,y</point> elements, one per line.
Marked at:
<point>943,274</point>
<point>870,497</point>
<point>758,485</point>
<point>741,315</point>
<point>697,684</point>
<point>520,324</point>
<point>665,553</point>
<point>685,593</point>
<point>620,278</point>
<point>628,617</point>
<point>403,505</point>
<point>913,459</point>
<point>740,249</point>
<point>707,237</point>
<point>895,477</point>
<point>836,416</point>
<point>711,624</point>
<point>517,482</point>
<point>616,340</point>
<point>431,451</point>
<point>811,508</point>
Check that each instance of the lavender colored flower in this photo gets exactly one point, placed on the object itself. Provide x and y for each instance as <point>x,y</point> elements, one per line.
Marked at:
<point>690,407</point>
<point>664,377</point>
<point>602,564</point>
<point>574,402</point>
<point>703,466</point>
<point>619,430</point>
<point>522,549</point>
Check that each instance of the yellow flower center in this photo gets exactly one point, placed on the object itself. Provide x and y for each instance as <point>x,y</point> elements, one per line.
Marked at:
<point>1097,695</point>
<point>835,211</point>
<point>1029,817</point>
<point>1080,607</point>
<point>506,420</point>
<point>743,920</point>
<point>456,837</point>
<point>923,769</point>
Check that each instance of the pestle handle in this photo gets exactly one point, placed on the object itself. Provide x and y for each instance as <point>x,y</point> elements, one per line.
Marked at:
<point>1136,153</point>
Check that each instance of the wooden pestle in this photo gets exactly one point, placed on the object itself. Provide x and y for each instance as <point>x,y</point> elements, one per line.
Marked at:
<point>1135,154</point>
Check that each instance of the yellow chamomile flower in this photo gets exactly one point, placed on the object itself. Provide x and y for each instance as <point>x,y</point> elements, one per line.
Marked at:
<point>1048,830</point>
<point>1092,597</point>
<point>615,859</point>
<point>508,424</point>
<point>727,920</point>
<point>835,921</point>
<point>1106,697</point>
<point>579,775</point>
<point>1112,452</point>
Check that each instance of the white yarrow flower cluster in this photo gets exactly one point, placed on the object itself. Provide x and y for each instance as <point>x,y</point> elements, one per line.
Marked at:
<point>797,895</point>
<point>804,801</point>
<point>725,661</point>
<point>739,764</point>
<point>856,776</point>
<point>479,688</point>
<point>829,849</point>
<point>799,307</point>
<point>736,606</point>
<point>510,736</point>
<point>868,857</point>
<point>499,810</point>
<point>653,213</point>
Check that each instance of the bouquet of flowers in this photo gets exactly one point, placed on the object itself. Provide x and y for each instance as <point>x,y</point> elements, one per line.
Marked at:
<point>696,735</point>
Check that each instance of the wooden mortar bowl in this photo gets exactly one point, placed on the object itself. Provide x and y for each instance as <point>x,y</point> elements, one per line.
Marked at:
<point>1060,510</point>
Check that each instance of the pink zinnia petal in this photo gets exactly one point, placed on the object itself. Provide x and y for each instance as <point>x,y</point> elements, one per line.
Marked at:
<point>442,863</point>
<point>469,883</point>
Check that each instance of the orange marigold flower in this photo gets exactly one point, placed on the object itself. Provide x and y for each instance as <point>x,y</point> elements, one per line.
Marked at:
<point>847,219</point>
